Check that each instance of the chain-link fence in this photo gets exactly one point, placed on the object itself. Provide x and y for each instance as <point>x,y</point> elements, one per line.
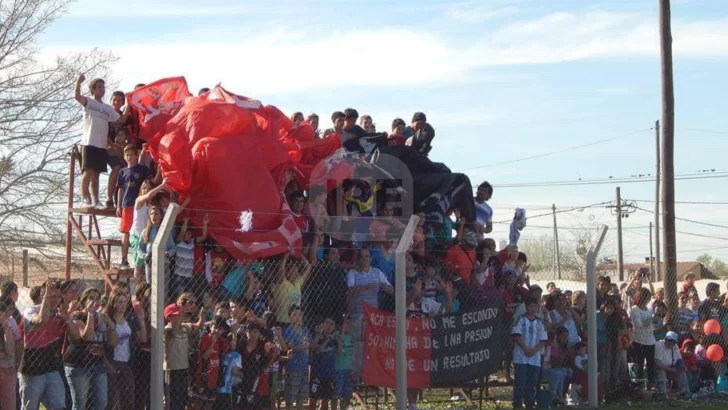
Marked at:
<point>289,330</point>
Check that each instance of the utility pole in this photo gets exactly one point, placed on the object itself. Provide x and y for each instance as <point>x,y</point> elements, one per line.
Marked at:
<point>620,257</point>
<point>652,258</point>
<point>658,263</point>
<point>556,243</point>
<point>668,164</point>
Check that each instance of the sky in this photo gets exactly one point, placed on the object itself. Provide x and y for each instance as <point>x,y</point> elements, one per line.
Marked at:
<point>522,93</point>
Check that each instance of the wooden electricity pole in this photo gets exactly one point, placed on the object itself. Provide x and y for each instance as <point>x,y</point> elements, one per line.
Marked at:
<point>620,255</point>
<point>556,243</point>
<point>658,260</point>
<point>668,158</point>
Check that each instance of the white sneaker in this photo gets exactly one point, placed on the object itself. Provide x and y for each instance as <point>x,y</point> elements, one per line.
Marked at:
<point>98,204</point>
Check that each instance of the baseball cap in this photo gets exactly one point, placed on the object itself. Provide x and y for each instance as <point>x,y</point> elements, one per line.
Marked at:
<point>171,310</point>
<point>671,337</point>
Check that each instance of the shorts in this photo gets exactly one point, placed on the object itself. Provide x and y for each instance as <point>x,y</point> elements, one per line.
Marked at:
<point>115,161</point>
<point>127,218</point>
<point>296,387</point>
<point>46,388</point>
<point>137,253</point>
<point>93,158</point>
<point>322,389</point>
<point>203,394</point>
<point>343,386</point>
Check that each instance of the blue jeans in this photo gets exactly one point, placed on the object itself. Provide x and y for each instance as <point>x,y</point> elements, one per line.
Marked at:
<point>47,388</point>
<point>84,381</point>
<point>557,378</point>
<point>526,379</point>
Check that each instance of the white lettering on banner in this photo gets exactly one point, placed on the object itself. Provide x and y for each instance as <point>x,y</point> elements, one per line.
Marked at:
<point>453,339</point>
<point>389,363</point>
<point>478,335</point>
<point>431,365</point>
<point>430,343</point>
<point>478,316</point>
<point>466,359</point>
<point>448,322</point>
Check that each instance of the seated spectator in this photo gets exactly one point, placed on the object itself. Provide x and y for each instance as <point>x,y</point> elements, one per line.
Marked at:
<point>670,365</point>
<point>691,364</point>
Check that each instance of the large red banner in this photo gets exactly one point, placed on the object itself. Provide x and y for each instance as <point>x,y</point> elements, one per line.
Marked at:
<point>379,350</point>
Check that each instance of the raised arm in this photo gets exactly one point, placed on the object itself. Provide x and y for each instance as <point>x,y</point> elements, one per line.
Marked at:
<point>77,95</point>
<point>142,199</point>
<point>205,222</point>
<point>183,230</point>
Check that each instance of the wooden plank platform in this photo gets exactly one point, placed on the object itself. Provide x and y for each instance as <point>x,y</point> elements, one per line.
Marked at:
<point>94,211</point>
<point>105,242</point>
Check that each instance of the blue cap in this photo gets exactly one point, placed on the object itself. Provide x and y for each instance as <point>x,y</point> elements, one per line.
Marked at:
<point>671,336</point>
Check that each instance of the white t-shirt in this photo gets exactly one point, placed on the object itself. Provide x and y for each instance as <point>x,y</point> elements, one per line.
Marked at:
<point>426,308</point>
<point>122,351</point>
<point>96,119</point>
<point>641,333</point>
<point>139,222</point>
<point>579,362</point>
<point>668,357</point>
<point>532,332</point>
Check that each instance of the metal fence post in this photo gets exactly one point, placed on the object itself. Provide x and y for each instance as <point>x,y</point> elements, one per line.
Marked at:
<point>157,306</point>
<point>400,309</point>
<point>591,319</point>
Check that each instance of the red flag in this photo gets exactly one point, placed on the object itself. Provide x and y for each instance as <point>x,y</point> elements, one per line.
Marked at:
<point>157,103</point>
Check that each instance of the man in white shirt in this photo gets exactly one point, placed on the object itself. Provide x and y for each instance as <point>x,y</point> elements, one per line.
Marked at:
<point>483,211</point>
<point>96,118</point>
<point>669,365</point>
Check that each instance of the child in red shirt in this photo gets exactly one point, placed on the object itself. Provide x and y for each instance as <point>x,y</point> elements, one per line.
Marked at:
<point>212,346</point>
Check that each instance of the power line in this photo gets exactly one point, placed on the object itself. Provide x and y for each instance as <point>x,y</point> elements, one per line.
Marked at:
<point>545,154</point>
<point>629,180</point>
<point>689,220</point>
<point>685,202</point>
<point>559,211</point>
<point>706,131</point>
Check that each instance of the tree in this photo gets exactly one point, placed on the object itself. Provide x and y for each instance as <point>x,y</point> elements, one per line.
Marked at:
<point>39,123</point>
<point>716,266</point>
<point>573,246</point>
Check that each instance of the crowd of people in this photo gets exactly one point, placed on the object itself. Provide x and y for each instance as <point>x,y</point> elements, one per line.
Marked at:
<point>250,334</point>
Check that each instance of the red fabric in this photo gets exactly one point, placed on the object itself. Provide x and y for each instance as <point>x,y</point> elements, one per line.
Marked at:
<point>127,218</point>
<point>221,263</point>
<point>212,364</point>
<point>379,368</point>
<point>461,260</point>
<point>232,155</point>
<point>154,105</point>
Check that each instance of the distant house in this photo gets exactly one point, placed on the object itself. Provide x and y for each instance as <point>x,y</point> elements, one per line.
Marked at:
<point>683,268</point>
